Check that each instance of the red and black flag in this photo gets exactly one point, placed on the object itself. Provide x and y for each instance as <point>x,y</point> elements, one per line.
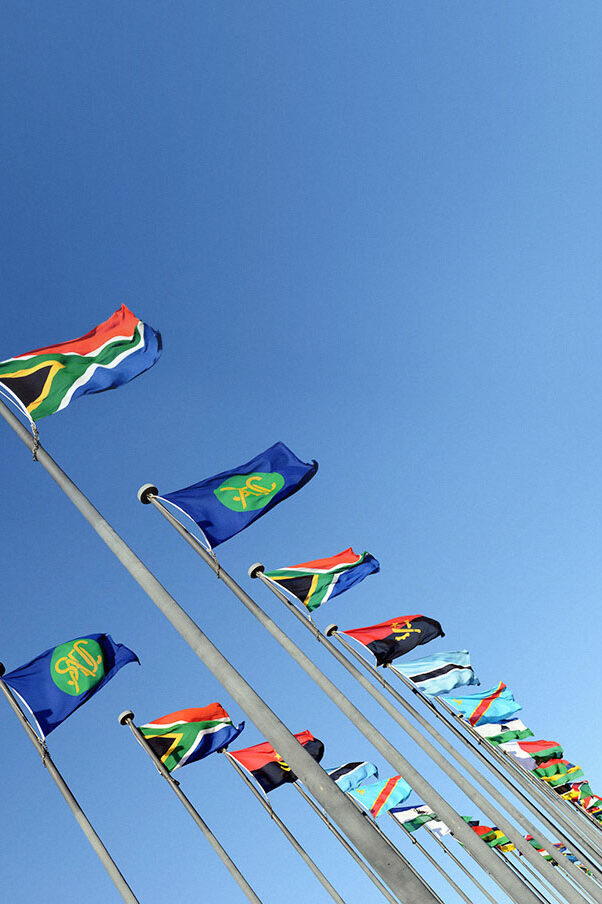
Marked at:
<point>268,768</point>
<point>397,636</point>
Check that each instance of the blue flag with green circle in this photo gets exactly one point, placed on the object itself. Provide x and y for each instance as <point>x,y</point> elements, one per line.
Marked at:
<point>63,678</point>
<point>225,504</point>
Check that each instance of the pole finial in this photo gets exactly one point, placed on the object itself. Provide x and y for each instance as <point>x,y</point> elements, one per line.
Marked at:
<point>330,630</point>
<point>255,569</point>
<point>146,491</point>
<point>125,717</point>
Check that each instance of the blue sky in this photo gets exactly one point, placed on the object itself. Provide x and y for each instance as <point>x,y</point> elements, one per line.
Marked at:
<point>370,231</point>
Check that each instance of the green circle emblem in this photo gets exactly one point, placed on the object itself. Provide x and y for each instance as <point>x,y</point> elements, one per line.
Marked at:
<point>77,666</point>
<point>247,492</point>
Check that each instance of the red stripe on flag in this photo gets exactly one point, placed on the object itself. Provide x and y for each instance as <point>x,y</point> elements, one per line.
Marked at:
<point>121,323</point>
<point>384,796</point>
<point>347,557</point>
<point>485,704</point>
<point>209,713</point>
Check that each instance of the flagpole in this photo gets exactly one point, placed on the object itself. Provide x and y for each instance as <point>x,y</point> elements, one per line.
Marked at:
<point>373,878</point>
<point>284,829</point>
<point>532,884</point>
<point>432,861</point>
<point>84,823</point>
<point>392,870</point>
<point>256,571</point>
<point>127,718</point>
<point>476,796</point>
<point>459,864</point>
<point>148,494</point>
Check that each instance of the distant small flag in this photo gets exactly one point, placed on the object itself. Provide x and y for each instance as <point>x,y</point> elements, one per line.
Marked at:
<point>351,775</point>
<point>396,636</point>
<point>486,706</point>
<point>495,838</point>
<point>439,673</point>
<point>268,768</point>
<point>491,835</point>
<point>501,732</point>
<point>556,772</point>
<point>313,583</point>
<point>529,753</point>
<point>63,678</point>
<point>226,503</point>
<point>540,850</point>
<point>413,818</point>
<point>113,353</point>
<point>378,797</point>
<point>190,734</point>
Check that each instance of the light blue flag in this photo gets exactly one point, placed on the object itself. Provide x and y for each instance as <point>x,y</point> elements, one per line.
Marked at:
<point>439,673</point>
<point>495,705</point>
<point>351,775</point>
<point>378,797</point>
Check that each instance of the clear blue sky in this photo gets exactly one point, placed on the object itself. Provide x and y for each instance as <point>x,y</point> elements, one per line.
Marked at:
<point>370,230</point>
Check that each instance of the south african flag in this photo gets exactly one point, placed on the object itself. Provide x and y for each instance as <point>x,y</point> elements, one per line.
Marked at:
<point>312,583</point>
<point>190,734</point>
<point>47,379</point>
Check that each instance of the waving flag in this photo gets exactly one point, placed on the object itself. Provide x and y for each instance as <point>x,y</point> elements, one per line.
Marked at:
<point>312,583</point>
<point>228,502</point>
<point>529,753</point>
<point>486,706</point>
<point>499,732</point>
<point>556,772</point>
<point>190,734</point>
<point>540,850</point>
<point>440,672</point>
<point>351,775</point>
<point>378,797</point>
<point>494,837</point>
<point>113,353</point>
<point>412,818</point>
<point>63,678</point>
<point>268,768</point>
<point>397,636</point>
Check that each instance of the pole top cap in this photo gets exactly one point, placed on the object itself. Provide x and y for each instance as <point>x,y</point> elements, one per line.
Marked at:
<point>255,569</point>
<point>2,669</point>
<point>125,717</point>
<point>330,630</point>
<point>146,491</point>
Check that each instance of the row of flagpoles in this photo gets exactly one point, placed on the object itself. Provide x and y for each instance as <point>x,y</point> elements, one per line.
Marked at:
<point>556,860</point>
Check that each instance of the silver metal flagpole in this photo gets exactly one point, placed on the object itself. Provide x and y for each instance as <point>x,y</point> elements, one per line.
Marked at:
<point>284,829</point>
<point>481,853</point>
<point>127,718</point>
<point>85,825</point>
<point>386,838</point>
<point>391,869</point>
<point>459,864</point>
<point>373,878</point>
<point>257,571</point>
<point>432,861</point>
<point>532,884</point>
